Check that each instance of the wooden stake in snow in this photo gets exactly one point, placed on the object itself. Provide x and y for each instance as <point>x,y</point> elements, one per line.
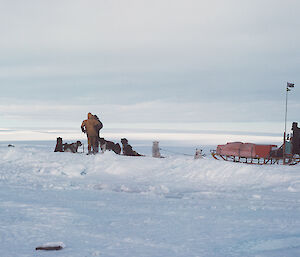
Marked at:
<point>51,246</point>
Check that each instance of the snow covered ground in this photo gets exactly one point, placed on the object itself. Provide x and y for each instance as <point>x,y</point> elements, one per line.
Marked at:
<point>110,205</point>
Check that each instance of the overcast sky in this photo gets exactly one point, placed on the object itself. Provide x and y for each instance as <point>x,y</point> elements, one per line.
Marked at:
<point>154,61</point>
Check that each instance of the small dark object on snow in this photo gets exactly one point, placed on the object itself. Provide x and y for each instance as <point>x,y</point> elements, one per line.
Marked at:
<point>127,148</point>
<point>49,248</point>
<point>59,145</point>
<point>109,145</point>
<point>11,145</point>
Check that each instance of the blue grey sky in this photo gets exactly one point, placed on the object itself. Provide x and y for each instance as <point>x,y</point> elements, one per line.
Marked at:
<point>148,62</point>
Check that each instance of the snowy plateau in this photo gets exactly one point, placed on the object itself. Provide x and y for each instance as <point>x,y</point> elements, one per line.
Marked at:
<point>113,205</point>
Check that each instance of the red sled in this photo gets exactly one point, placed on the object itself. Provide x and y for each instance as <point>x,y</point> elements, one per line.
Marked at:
<point>252,154</point>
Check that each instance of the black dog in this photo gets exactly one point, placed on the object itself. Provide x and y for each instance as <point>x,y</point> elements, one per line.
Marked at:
<point>109,145</point>
<point>72,148</point>
<point>59,145</point>
<point>127,148</point>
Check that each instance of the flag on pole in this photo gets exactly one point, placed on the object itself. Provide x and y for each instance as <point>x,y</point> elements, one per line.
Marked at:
<point>290,84</point>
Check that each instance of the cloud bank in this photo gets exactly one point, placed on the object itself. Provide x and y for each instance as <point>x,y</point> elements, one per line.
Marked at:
<point>143,61</point>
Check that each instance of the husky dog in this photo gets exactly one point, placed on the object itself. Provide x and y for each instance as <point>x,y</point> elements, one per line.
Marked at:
<point>198,154</point>
<point>109,145</point>
<point>72,148</point>
<point>155,150</point>
<point>59,145</point>
<point>127,148</point>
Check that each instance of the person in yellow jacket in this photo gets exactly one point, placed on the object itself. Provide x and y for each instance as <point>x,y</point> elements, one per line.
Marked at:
<point>91,127</point>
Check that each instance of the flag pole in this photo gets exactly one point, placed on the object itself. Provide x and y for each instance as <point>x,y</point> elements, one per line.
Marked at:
<point>286,100</point>
<point>285,118</point>
<point>288,88</point>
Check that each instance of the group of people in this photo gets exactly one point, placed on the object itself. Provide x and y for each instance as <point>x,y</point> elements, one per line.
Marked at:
<point>92,126</point>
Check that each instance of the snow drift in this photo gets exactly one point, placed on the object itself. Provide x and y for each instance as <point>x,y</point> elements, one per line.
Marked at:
<point>43,168</point>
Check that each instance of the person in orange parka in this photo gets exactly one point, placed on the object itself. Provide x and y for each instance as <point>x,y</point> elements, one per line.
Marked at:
<point>91,127</point>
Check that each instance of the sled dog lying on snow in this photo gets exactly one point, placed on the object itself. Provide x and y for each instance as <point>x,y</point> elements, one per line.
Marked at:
<point>109,145</point>
<point>72,148</point>
<point>127,148</point>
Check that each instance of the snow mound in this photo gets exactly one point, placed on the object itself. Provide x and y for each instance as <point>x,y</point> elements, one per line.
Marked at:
<point>171,176</point>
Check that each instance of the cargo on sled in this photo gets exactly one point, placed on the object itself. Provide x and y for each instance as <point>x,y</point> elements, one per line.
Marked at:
<point>287,154</point>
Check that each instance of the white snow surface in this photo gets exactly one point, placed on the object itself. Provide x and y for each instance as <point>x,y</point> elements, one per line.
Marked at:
<point>53,244</point>
<point>111,205</point>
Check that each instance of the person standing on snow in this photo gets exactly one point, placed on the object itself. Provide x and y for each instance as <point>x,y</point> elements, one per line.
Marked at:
<point>98,130</point>
<point>296,138</point>
<point>91,127</point>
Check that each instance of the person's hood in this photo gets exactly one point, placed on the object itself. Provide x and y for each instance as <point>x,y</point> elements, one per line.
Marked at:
<point>90,116</point>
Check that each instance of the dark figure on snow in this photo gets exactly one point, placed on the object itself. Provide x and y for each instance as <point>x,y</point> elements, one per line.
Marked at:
<point>91,127</point>
<point>59,145</point>
<point>98,130</point>
<point>127,148</point>
<point>296,138</point>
